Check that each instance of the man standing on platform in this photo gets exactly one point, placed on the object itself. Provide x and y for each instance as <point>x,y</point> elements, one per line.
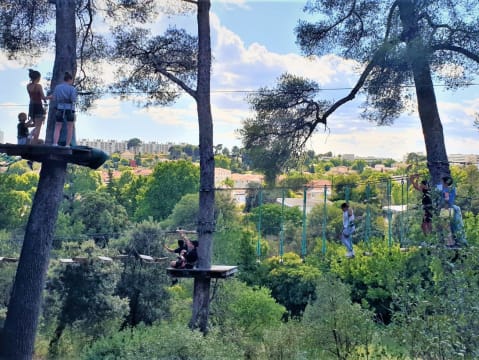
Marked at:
<point>65,95</point>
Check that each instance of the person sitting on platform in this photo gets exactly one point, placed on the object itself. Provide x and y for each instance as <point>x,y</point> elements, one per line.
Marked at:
<point>187,256</point>
<point>180,262</point>
<point>192,255</point>
<point>181,246</point>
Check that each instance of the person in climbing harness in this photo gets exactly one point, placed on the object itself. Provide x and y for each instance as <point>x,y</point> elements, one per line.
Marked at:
<point>177,250</point>
<point>456,222</point>
<point>348,229</point>
<point>65,95</point>
<point>427,207</point>
<point>180,262</point>
<point>187,253</point>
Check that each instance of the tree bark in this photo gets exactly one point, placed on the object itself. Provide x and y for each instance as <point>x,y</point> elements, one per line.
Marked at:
<point>206,221</point>
<point>65,54</point>
<point>20,326</point>
<point>437,161</point>
<point>418,58</point>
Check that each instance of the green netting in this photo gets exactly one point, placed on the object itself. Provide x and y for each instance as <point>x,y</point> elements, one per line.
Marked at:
<point>306,219</point>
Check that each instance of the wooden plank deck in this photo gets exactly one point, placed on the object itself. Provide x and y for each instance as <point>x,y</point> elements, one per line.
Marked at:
<point>80,155</point>
<point>215,271</point>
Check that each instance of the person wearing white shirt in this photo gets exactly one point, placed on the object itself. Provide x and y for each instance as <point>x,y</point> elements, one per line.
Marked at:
<point>348,229</point>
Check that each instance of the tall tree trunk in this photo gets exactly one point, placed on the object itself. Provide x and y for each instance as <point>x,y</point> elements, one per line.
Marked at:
<point>206,225</point>
<point>418,57</point>
<point>65,54</point>
<point>20,327</point>
<point>431,123</point>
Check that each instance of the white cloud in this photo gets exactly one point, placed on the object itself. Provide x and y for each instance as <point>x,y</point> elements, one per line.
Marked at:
<point>107,108</point>
<point>242,69</point>
<point>256,66</point>
<point>239,69</point>
<point>169,116</point>
<point>369,140</point>
<point>232,4</point>
<point>6,64</point>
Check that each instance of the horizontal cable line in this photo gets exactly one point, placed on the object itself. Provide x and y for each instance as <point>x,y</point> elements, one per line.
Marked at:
<point>232,91</point>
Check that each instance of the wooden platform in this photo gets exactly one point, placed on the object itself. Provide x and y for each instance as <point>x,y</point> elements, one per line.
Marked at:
<point>80,155</point>
<point>215,271</point>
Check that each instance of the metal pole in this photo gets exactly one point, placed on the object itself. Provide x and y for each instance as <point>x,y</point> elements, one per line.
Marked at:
<point>401,232</point>
<point>303,237</point>
<point>258,244</point>
<point>281,233</point>
<point>388,194</point>
<point>367,232</point>
<point>325,220</point>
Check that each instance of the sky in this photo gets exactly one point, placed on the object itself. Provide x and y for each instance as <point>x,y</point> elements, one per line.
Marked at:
<point>253,43</point>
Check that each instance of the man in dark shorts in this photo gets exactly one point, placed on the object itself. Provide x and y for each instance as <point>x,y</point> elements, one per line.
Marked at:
<point>65,96</point>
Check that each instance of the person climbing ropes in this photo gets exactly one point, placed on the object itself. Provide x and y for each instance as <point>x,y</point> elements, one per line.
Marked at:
<point>348,229</point>
<point>177,250</point>
<point>188,255</point>
<point>65,95</point>
<point>427,207</point>
<point>180,262</point>
<point>36,109</point>
<point>455,219</point>
<point>192,255</point>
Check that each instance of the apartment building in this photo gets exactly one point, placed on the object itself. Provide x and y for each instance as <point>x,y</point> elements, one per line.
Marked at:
<point>114,146</point>
<point>465,159</point>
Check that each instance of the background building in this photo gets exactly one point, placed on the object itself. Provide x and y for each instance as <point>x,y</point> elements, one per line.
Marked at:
<point>114,146</point>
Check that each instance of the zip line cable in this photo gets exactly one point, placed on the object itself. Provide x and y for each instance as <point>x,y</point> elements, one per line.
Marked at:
<point>221,91</point>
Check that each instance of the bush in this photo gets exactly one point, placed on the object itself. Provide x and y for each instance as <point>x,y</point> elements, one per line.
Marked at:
<point>162,341</point>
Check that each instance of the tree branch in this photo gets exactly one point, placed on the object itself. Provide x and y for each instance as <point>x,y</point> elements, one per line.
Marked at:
<point>87,34</point>
<point>457,49</point>
<point>340,20</point>
<point>174,79</point>
<point>389,20</point>
<point>352,94</point>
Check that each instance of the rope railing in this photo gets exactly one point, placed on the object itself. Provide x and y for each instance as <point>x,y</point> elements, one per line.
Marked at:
<point>102,258</point>
<point>388,210</point>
